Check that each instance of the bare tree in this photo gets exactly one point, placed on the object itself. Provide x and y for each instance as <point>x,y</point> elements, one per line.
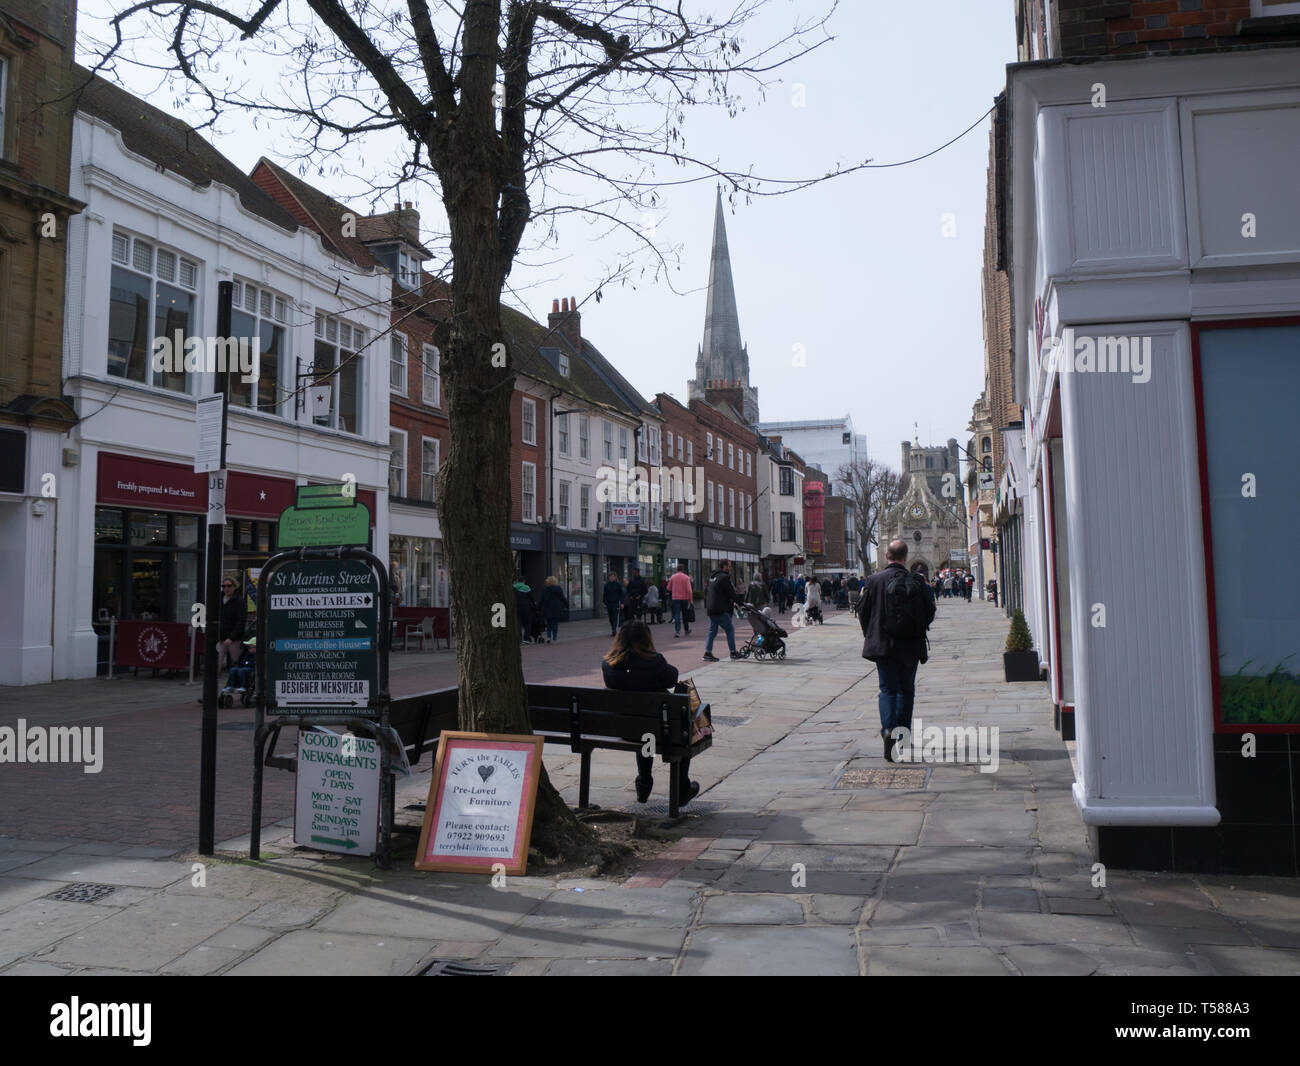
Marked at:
<point>515,112</point>
<point>874,489</point>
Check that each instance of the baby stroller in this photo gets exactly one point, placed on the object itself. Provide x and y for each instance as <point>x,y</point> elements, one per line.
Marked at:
<point>766,643</point>
<point>241,680</point>
<point>814,614</point>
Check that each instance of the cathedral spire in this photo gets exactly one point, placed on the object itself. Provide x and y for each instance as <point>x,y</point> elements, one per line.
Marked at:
<point>721,322</point>
<point>722,358</point>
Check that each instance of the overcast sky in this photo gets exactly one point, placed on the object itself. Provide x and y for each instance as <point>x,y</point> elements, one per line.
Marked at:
<point>858,270</point>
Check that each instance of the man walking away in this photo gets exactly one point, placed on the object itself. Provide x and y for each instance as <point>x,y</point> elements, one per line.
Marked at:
<point>853,585</point>
<point>897,609</point>
<point>679,588</point>
<point>756,594</point>
<point>613,599</point>
<point>719,601</point>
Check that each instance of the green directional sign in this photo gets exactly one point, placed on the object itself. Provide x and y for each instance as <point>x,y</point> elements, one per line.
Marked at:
<point>322,629</point>
<point>348,844</point>
<point>327,496</point>
<point>324,527</point>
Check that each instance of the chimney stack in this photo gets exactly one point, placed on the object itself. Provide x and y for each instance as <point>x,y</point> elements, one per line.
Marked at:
<point>566,321</point>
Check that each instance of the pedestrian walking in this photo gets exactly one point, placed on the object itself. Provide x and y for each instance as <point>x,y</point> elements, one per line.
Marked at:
<point>719,602</point>
<point>633,665</point>
<point>636,590</point>
<point>613,597</point>
<point>525,609</point>
<point>756,594</point>
<point>554,604</point>
<point>231,623</point>
<point>778,593</point>
<point>896,612</point>
<point>650,605</point>
<point>683,599</point>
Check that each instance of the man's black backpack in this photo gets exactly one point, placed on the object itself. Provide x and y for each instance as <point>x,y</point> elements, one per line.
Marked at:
<point>907,607</point>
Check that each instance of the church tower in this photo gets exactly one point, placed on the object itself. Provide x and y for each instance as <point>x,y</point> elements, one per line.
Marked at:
<point>722,362</point>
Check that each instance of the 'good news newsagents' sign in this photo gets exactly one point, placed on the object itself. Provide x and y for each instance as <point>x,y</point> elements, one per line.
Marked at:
<point>480,810</point>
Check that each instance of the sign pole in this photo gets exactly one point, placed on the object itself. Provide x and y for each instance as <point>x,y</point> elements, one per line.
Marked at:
<point>212,617</point>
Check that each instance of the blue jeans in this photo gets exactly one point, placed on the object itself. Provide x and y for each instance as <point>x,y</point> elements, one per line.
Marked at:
<point>723,622</point>
<point>679,616</point>
<point>553,629</point>
<point>897,692</point>
<point>613,609</point>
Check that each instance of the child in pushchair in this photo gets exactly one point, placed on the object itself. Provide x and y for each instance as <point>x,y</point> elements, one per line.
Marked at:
<point>242,678</point>
<point>766,641</point>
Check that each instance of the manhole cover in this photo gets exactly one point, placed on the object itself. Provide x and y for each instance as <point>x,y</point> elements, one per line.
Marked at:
<point>731,719</point>
<point>447,968</point>
<point>82,892</point>
<point>911,777</point>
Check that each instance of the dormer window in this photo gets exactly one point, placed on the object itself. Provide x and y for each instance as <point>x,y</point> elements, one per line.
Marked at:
<point>564,365</point>
<point>400,263</point>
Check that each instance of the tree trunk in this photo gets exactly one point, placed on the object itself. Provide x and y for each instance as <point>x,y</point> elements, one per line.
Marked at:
<point>474,498</point>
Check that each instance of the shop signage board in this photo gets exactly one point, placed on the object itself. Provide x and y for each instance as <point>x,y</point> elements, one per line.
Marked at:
<point>322,631</point>
<point>337,800</point>
<point>207,444</point>
<point>324,526</point>
<point>480,809</point>
<point>324,516</point>
<point>624,514</point>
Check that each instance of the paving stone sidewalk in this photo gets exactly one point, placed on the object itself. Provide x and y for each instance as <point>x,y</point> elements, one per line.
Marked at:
<point>794,860</point>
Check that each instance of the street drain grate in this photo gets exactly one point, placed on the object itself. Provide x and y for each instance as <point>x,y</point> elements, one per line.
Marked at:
<point>731,719</point>
<point>447,968</point>
<point>82,892</point>
<point>909,778</point>
<point>661,809</point>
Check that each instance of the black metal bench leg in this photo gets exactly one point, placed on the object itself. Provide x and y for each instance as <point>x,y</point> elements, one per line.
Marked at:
<point>674,788</point>
<point>584,782</point>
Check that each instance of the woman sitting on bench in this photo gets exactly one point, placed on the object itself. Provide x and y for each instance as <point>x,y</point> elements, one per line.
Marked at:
<point>633,665</point>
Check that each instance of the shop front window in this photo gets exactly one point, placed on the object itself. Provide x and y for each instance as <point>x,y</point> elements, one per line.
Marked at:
<point>1245,399</point>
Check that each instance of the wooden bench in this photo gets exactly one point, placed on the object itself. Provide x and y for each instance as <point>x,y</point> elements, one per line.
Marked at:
<point>584,719</point>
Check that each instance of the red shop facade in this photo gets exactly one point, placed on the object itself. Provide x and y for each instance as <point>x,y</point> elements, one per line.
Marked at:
<point>151,536</point>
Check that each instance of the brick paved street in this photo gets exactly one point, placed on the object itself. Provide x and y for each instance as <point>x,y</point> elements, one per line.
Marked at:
<point>147,792</point>
<point>793,860</point>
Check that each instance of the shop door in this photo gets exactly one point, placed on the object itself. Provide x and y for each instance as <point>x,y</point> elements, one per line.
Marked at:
<point>147,591</point>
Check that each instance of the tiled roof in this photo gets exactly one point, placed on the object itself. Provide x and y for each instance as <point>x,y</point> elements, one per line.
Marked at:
<point>171,144</point>
<point>326,215</point>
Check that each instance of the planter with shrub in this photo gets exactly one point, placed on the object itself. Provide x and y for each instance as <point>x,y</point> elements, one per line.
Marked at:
<point>1020,661</point>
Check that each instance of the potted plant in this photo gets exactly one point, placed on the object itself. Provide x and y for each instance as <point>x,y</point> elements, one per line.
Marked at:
<point>1020,661</point>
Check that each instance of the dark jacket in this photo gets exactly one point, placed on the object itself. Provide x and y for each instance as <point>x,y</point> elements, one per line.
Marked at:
<point>614,594</point>
<point>524,606</point>
<point>877,644</point>
<point>639,674</point>
<point>553,603</point>
<point>234,618</point>
<point>720,594</point>
<point>637,588</point>
<point>757,593</point>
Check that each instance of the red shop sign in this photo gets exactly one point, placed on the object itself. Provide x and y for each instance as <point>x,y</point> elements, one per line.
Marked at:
<point>157,645</point>
<point>151,484</point>
<point>258,496</point>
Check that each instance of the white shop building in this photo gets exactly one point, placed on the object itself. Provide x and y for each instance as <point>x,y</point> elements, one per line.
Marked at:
<point>168,218</point>
<point>1155,272</point>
